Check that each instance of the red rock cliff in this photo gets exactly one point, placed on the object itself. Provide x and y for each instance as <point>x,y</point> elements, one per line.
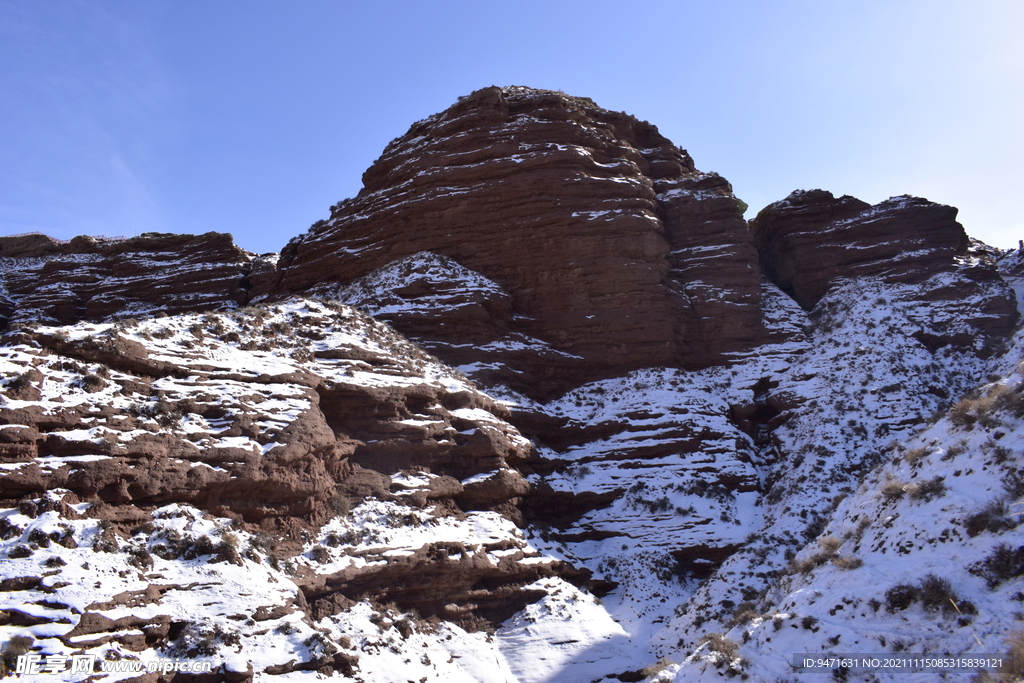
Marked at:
<point>611,244</point>
<point>811,241</point>
<point>89,279</point>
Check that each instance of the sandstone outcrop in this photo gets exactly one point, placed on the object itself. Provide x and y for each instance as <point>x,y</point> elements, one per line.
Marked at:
<point>88,279</point>
<point>279,418</point>
<point>242,414</point>
<point>446,580</point>
<point>610,245</point>
<point>812,241</point>
<point>459,315</point>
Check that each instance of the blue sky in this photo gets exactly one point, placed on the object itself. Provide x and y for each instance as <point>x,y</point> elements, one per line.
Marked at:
<point>121,117</point>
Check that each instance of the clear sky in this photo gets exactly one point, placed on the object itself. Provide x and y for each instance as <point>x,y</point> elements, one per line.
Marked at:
<point>253,117</point>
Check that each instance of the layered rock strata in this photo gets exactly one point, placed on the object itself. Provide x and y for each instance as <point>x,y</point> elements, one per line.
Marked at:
<point>610,245</point>
<point>456,314</point>
<point>251,415</point>
<point>197,485</point>
<point>812,241</point>
<point>279,418</point>
<point>44,280</point>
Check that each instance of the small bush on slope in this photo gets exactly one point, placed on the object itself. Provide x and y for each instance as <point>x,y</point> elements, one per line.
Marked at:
<point>723,651</point>
<point>900,597</point>
<point>984,410</point>
<point>937,593</point>
<point>991,518</point>
<point>934,593</point>
<point>929,489</point>
<point>1002,564</point>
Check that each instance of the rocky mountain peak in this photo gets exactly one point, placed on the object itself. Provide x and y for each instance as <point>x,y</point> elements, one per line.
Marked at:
<point>811,238</point>
<point>613,248</point>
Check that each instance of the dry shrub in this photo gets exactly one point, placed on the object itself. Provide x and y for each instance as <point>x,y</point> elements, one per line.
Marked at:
<point>656,668</point>
<point>900,597</point>
<point>140,558</point>
<point>991,518</point>
<point>829,544</point>
<point>999,398</point>
<point>262,541</point>
<point>93,383</point>
<point>340,504</point>
<point>915,455</point>
<point>802,566</point>
<point>829,547</point>
<point>745,612</point>
<point>929,489</point>
<point>1007,399</point>
<point>892,489</point>
<point>718,643</point>
<point>22,381</point>
<point>955,450</point>
<point>934,592</point>
<point>937,593</point>
<point>805,566</point>
<point>962,413</point>
<point>320,554</point>
<point>847,562</point>
<point>1003,563</point>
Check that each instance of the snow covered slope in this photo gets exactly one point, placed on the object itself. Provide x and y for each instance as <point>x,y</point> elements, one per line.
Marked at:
<point>184,486</point>
<point>191,486</point>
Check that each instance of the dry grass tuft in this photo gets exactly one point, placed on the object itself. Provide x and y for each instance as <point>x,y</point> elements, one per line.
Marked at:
<point>847,562</point>
<point>727,650</point>
<point>915,455</point>
<point>829,544</point>
<point>745,612</point>
<point>652,670</point>
<point>985,410</point>
<point>829,547</point>
<point>892,489</point>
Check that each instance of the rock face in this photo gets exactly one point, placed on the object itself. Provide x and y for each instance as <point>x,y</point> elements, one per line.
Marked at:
<point>85,279</point>
<point>811,241</point>
<point>278,418</point>
<point>610,245</point>
<point>253,416</point>
<point>1011,267</point>
<point>457,314</point>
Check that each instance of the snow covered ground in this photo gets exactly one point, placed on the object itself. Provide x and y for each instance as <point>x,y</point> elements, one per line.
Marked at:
<point>844,489</point>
